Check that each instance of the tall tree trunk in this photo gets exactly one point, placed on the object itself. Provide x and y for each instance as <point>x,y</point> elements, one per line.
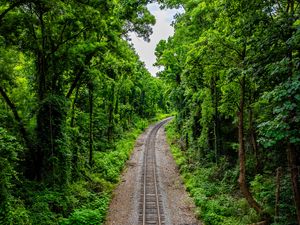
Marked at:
<point>72,123</point>
<point>50,162</point>
<point>91,141</point>
<point>294,168</point>
<point>76,138</point>
<point>110,127</point>
<point>254,141</point>
<point>111,110</point>
<point>277,195</point>
<point>42,124</point>
<point>217,137</point>
<point>242,153</point>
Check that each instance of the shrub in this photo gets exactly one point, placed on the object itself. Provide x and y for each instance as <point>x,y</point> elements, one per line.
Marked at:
<point>83,217</point>
<point>212,187</point>
<point>10,209</point>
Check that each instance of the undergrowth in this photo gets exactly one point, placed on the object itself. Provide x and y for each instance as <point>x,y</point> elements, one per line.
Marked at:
<point>212,187</point>
<point>82,202</point>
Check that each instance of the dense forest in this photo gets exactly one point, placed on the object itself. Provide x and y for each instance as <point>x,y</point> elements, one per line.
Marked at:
<point>74,96</point>
<point>233,66</point>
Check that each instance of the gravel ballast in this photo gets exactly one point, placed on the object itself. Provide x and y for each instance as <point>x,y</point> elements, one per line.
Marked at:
<point>178,206</point>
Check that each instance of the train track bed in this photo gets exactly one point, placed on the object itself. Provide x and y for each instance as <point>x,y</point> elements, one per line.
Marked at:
<point>151,191</point>
<point>151,207</point>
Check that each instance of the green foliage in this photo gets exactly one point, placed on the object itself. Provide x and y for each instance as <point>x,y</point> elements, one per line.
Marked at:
<point>283,101</point>
<point>71,89</point>
<point>84,216</point>
<point>227,60</point>
<point>95,214</point>
<point>11,210</point>
<point>109,164</point>
<point>211,188</point>
<point>84,201</point>
<point>9,149</point>
<point>263,188</point>
<point>16,214</point>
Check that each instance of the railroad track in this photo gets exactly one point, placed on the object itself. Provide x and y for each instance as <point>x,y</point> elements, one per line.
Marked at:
<point>151,207</point>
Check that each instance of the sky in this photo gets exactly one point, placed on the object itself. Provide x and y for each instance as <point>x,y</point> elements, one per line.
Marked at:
<point>161,30</point>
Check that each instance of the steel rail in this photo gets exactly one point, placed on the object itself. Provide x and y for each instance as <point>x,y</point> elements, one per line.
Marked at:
<point>149,168</point>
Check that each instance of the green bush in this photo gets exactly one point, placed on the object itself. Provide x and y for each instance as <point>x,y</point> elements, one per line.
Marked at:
<point>212,186</point>
<point>12,211</point>
<point>93,213</point>
<point>16,213</point>
<point>263,188</point>
<point>41,214</point>
<point>83,217</point>
<point>83,201</point>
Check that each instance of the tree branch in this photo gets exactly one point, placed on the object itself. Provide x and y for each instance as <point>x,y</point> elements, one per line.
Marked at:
<point>232,48</point>
<point>65,41</point>
<point>79,74</point>
<point>17,117</point>
<point>14,5</point>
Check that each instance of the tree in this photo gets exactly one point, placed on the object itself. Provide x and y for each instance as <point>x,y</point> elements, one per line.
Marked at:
<point>222,61</point>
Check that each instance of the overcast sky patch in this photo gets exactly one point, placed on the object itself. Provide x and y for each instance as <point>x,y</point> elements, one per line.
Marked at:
<point>161,30</point>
